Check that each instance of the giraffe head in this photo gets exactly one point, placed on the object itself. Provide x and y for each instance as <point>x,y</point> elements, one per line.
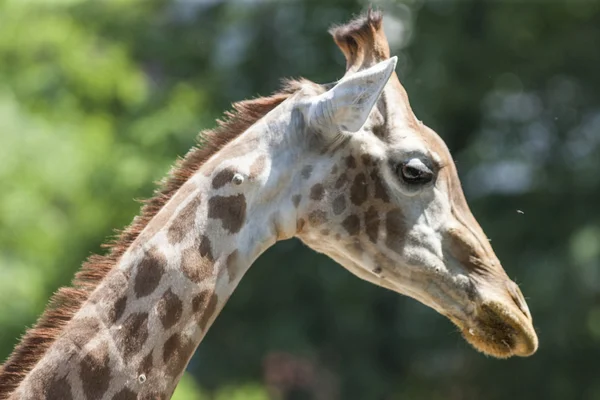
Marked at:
<point>383,198</point>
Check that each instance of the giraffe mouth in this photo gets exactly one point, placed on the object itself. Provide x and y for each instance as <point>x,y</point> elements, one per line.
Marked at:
<point>499,330</point>
<point>494,319</point>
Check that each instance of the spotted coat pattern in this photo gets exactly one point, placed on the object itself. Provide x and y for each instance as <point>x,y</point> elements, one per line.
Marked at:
<point>134,335</point>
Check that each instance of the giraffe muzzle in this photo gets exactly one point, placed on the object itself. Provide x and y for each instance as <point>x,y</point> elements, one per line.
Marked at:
<point>502,325</point>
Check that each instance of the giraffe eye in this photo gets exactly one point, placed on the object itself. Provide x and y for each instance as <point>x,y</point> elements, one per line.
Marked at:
<point>415,172</point>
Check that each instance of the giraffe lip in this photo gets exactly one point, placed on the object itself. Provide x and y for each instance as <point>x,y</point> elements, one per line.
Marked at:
<point>500,331</point>
<point>495,325</point>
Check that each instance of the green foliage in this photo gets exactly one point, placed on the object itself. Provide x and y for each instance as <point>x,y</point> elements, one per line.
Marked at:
<point>98,98</point>
<point>188,389</point>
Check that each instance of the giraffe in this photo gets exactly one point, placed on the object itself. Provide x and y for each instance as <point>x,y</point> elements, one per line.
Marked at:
<point>346,167</point>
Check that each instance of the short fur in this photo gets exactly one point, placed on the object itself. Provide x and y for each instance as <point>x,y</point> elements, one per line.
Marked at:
<point>359,34</point>
<point>65,303</point>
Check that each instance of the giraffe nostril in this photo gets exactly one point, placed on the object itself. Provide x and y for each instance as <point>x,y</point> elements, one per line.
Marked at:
<point>517,296</point>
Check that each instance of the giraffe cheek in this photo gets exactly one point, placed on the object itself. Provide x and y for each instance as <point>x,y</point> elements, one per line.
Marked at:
<point>372,224</point>
<point>352,224</point>
<point>317,218</point>
<point>395,228</point>
<point>381,192</point>
<point>359,189</point>
<point>339,204</point>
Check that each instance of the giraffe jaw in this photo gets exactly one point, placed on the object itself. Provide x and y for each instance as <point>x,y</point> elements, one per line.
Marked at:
<point>495,322</point>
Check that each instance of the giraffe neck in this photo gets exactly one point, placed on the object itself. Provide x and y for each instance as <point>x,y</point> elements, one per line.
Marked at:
<point>136,333</point>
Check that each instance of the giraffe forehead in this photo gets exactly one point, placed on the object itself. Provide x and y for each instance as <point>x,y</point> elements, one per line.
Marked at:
<point>408,142</point>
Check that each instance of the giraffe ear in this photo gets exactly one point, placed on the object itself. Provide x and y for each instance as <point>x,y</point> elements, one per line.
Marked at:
<point>346,106</point>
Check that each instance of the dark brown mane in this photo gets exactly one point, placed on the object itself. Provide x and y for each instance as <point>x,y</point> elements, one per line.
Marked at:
<point>68,300</point>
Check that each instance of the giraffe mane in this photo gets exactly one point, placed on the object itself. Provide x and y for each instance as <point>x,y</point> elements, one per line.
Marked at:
<point>65,303</point>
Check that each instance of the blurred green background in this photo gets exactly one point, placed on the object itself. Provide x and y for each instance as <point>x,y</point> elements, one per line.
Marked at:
<point>97,98</point>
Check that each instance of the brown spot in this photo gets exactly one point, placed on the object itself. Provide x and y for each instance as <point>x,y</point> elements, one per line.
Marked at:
<point>125,394</point>
<point>341,181</point>
<point>334,170</point>
<point>380,190</point>
<point>170,347</point>
<point>367,160</point>
<point>350,162</point>
<point>257,166</point>
<point>297,121</point>
<point>231,263</point>
<point>208,311</point>
<point>394,225</point>
<point>176,354</point>
<point>352,224</point>
<point>372,224</point>
<point>194,266</point>
<point>147,363</point>
<point>97,268</point>
<point>230,210</point>
<point>306,171</point>
<point>95,372</point>
<point>316,192</point>
<point>355,247</point>
<point>296,200</point>
<point>358,191</point>
<point>379,130</point>
<point>59,389</point>
<point>169,309</point>
<point>317,217</point>
<point>117,310</point>
<point>325,232</point>
<point>338,236</point>
<point>205,249</point>
<point>133,334</point>
<point>149,272</point>
<point>153,395</point>
<point>184,221</point>
<point>223,178</point>
<point>82,331</point>
<point>199,301</point>
<point>339,204</point>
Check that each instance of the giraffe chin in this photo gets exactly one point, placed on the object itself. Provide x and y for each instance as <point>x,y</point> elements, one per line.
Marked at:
<point>500,331</point>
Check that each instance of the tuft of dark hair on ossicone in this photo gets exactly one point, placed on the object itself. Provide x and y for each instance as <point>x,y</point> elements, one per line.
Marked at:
<point>362,40</point>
